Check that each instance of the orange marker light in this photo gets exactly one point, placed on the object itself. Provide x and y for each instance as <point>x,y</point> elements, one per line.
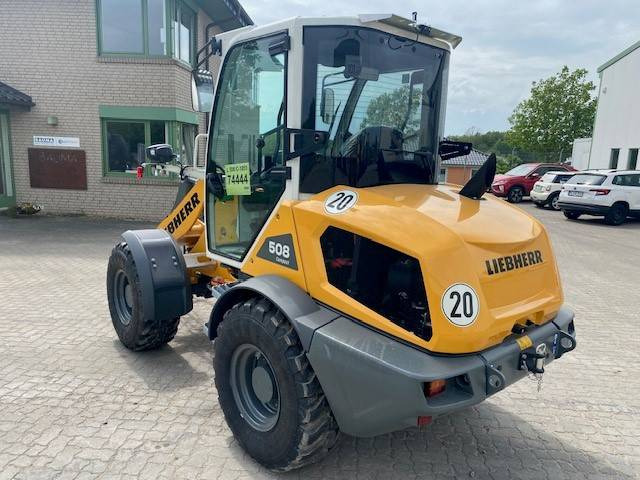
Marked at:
<point>431,389</point>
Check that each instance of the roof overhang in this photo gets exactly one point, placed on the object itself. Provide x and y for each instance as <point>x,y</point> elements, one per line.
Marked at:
<point>14,97</point>
<point>618,57</point>
<point>226,14</point>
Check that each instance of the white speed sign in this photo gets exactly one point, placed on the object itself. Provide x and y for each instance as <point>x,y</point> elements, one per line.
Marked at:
<point>460,304</point>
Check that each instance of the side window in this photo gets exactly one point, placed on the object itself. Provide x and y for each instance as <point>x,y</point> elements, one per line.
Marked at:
<point>619,180</point>
<point>633,180</point>
<point>562,178</point>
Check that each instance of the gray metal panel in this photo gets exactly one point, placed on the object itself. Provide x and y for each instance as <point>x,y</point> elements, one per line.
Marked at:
<point>300,309</point>
<point>374,384</point>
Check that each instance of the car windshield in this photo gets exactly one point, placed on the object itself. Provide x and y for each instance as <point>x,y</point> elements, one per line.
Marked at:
<point>586,179</point>
<point>380,99</point>
<point>548,177</point>
<point>520,170</point>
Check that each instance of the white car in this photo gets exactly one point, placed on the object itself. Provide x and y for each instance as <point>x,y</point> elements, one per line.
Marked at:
<point>547,190</point>
<point>613,194</point>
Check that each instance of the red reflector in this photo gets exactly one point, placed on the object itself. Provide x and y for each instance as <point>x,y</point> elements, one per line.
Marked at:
<point>431,389</point>
<point>424,420</point>
<point>600,191</point>
<point>139,171</point>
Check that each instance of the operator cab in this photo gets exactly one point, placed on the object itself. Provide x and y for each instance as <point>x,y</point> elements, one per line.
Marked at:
<point>304,105</point>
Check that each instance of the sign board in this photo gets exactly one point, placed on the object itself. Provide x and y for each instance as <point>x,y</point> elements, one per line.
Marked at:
<point>57,168</point>
<point>237,179</point>
<point>47,141</point>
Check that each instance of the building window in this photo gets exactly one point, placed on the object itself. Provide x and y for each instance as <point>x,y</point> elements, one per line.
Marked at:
<point>442,177</point>
<point>126,141</point>
<point>613,160</point>
<point>141,27</point>
<point>632,164</point>
<point>184,28</point>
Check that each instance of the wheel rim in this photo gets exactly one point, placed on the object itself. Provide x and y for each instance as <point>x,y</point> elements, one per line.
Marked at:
<point>554,203</point>
<point>254,387</point>
<point>123,297</point>
<point>516,195</point>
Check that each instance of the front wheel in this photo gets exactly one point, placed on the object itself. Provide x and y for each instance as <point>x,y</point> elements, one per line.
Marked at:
<point>269,394</point>
<point>571,215</point>
<point>554,202</point>
<point>515,195</point>
<point>617,214</point>
<point>136,330</point>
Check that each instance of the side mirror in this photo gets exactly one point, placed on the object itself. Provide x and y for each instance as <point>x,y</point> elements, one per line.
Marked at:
<point>534,175</point>
<point>327,105</point>
<point>202,91</point>
<point>161,153</point>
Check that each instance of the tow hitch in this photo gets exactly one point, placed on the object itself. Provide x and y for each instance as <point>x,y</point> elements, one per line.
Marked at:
<point>533,360</point>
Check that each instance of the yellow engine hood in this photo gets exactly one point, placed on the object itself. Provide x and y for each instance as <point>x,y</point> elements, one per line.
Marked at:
<point>457,240</point>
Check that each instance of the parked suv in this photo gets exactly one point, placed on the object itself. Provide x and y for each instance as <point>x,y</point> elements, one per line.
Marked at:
<point>518,182</point>
<point>609,193</point>
<point>547,189</point>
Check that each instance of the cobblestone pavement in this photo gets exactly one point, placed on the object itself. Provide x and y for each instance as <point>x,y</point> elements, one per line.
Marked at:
<point>75,404</point>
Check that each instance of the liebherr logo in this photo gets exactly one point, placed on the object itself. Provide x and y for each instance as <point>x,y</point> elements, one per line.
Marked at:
<point>184,212</point>
<point>513,262</point>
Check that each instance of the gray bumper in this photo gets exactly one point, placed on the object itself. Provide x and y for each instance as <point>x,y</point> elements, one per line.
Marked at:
<point>375,384</point>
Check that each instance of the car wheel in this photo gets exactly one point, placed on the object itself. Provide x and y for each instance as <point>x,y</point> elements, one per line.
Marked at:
<point>539,204</point>
<point>571,215</point>
<point>554,202</point>
<point>617,214</point>
<point>515,195</point>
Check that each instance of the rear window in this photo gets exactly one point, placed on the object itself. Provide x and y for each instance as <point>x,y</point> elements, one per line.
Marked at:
<point>587,179</point>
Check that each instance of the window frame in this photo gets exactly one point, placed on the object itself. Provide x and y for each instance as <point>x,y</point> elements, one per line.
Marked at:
<point>170,7</point>
<point>176,6</point>
<point>614,154</point>
<point>173,129</point>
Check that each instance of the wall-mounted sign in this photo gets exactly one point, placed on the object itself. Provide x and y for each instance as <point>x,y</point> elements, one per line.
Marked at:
<point>46,141</point>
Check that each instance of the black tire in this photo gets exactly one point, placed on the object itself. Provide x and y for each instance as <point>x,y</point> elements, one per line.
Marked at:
<point>515,194</point>
<point>617,214</point>
<point>304,429</point>
<point>571,215</point>
<point>539,204</point>
<point>553,202</point>
<point>134,328</point>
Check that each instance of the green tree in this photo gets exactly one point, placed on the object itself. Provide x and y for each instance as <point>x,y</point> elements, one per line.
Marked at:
<point>559,109</point>
<point>390,109</point>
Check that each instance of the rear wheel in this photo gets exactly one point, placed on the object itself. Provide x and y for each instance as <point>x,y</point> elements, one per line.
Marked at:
<point>553,203</point>
<point>136,330</point>
<point>269,394</point>
<point>515,195</point>
<point>571,215</point>
<point>617,214</point>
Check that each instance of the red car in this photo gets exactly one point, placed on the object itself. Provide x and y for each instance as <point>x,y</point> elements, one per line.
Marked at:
<point>518,181</point>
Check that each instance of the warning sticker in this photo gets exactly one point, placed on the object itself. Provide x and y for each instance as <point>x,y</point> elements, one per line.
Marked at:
<point>524,342</point>
<point>237,179</point>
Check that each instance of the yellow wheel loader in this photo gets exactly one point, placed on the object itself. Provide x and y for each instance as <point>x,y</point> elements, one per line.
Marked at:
<point>352,292</point>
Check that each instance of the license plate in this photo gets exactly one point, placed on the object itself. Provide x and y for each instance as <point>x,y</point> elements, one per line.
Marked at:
<point>572,193</point>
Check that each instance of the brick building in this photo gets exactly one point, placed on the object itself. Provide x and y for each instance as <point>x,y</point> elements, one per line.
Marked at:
<point>85,85</point>
<point>460,169</point>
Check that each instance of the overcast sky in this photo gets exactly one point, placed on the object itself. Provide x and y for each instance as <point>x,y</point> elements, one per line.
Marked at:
<point>506,44</point>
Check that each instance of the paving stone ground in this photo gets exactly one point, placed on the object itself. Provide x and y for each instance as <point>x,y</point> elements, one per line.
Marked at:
<point>75,404</point>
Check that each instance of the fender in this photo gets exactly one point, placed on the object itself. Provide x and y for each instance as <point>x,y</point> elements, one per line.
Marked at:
<point>304,314</point>
<point>162,271</point>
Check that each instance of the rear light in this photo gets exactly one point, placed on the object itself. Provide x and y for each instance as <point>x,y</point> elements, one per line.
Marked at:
<point>600,191</point>
<point>431,389</point>
<point>424,420</point>
<point>139,171</point>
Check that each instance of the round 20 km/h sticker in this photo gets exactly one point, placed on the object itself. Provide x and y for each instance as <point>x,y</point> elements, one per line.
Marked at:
<point>460,304</point>
<point>340,201</point>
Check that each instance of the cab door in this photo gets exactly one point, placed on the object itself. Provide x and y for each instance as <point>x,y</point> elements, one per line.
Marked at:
<point>246,173</point>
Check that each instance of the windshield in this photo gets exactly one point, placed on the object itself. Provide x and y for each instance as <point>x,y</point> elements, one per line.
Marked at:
<point>548,177</point>
<point>520,170</point>
<point>586,179</point>
<point>380,98</point>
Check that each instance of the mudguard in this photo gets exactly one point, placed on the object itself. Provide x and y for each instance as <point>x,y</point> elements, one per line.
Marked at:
<point>162,271</point>
<point>305,315</point>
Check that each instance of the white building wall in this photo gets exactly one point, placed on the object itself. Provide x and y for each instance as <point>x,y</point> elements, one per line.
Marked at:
<point>617,122</point>
<point>580,153</point>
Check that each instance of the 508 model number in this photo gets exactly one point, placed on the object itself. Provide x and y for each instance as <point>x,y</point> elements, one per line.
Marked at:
<point>279,250</point>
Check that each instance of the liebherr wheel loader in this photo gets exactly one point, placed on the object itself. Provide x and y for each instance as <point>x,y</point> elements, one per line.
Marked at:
<point>353,291</point>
